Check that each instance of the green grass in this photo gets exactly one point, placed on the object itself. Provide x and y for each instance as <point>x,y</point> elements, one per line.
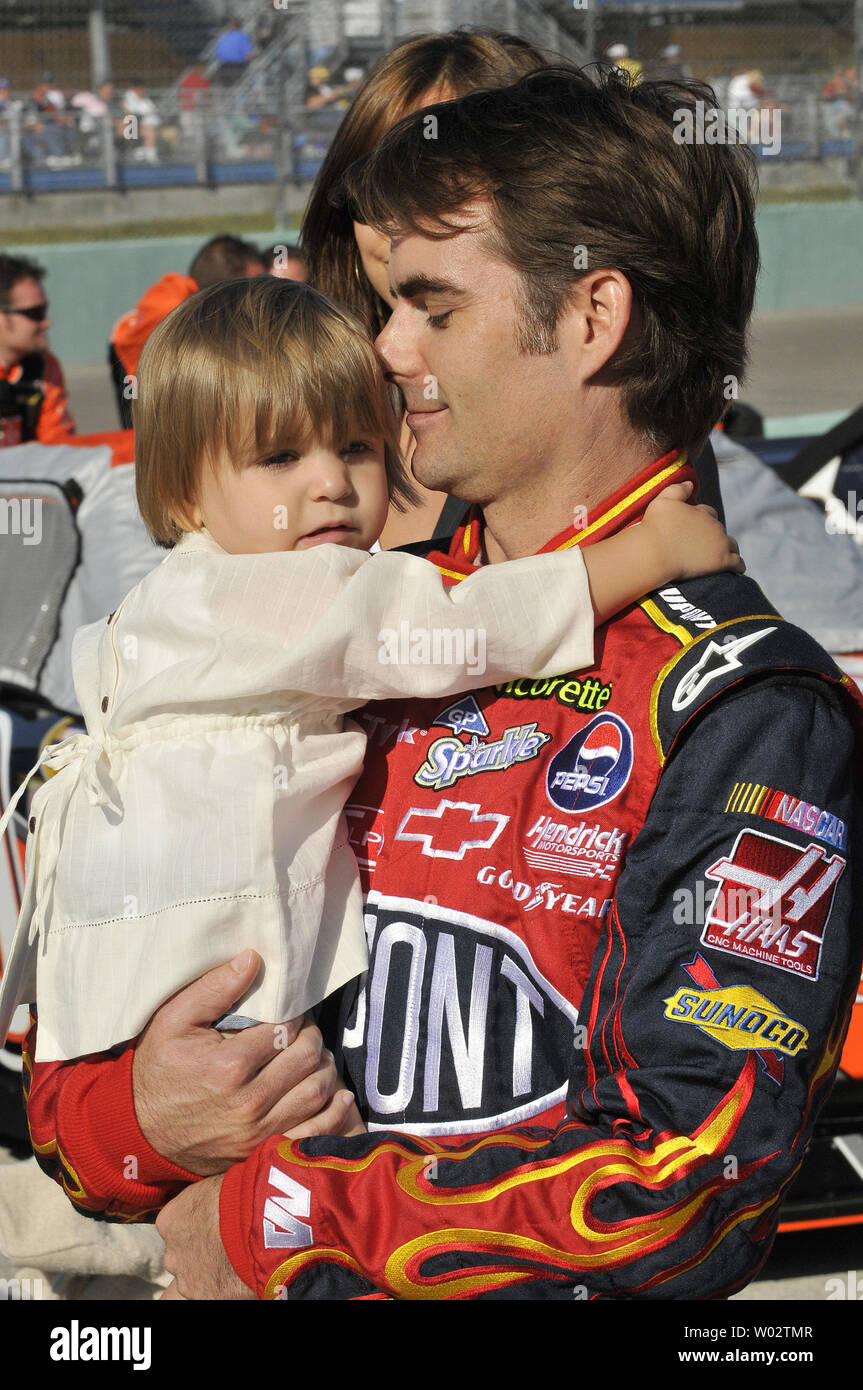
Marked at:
<point>260,222</point>
<point>826,193</point>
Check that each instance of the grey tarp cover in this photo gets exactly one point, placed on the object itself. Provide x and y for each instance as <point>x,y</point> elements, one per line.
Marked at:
<point>115,549</point>
<point>813,578</point>
<point>36,522</point>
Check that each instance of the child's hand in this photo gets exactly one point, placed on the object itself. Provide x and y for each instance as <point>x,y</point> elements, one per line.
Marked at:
<point>690,540</point>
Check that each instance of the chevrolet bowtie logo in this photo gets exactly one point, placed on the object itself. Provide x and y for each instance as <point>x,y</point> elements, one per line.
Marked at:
<point>441,831</point>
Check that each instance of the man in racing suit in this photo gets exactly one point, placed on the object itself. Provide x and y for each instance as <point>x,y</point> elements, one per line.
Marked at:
<point>221,258</point>
<point>609,915</point>
<point>34,402</point>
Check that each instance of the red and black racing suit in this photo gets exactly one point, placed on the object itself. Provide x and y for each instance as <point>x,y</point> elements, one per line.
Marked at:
<point>612,963</point>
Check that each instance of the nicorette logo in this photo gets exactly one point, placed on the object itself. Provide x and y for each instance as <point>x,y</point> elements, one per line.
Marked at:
<point>593,768</point>
<point>739,1017</point>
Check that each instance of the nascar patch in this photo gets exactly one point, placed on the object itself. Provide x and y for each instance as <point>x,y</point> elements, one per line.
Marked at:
<point>755,799</point>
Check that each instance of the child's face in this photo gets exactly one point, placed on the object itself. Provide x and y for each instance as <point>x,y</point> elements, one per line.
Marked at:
<point>296,498</point>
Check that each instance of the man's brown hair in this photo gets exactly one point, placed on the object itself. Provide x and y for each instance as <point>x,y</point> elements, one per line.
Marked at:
<point>224,258</point>
<point>582,175</point>
<point>258,363</point>
<point>14,269</point>
<point>426,64</point>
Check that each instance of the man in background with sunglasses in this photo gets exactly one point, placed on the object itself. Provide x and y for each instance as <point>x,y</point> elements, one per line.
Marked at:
<point>34,403</point>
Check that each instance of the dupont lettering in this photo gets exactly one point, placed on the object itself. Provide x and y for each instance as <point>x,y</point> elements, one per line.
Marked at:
<point>455,1029</point>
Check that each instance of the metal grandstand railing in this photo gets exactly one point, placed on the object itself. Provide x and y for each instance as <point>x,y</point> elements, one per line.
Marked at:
<point>523,17</point>
<point>258,127</point>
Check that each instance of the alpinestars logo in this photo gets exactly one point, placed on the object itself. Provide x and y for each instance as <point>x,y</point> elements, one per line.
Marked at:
<point>716,660</point>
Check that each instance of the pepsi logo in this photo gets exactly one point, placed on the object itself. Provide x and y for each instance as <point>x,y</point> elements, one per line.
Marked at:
<point>593,768</point>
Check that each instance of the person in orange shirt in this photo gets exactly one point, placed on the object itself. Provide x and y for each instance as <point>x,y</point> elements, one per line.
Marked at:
<point>221,258</point>
<point>34,404</point>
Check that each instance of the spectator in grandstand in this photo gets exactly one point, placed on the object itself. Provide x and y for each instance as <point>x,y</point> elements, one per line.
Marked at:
<point>745,91</point>
<point>221,258</point>
<point>145,121</point>
<point>34,404</point>
<point>233,50</point>
<point>348,260</point>
<point>840,95</point>
<point>92,109</point>
<point>671,67</point>
<point>286,262</point>
<point>57,119</point>
<point>618,54</point>
<point>264,30</point>
<point>321,93</point>
<point>353,80</point>
<point>42,137</point>
<point>195,91</point>
<point>746,98</point>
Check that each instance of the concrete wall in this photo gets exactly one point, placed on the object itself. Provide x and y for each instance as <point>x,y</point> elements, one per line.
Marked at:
<point>91,283</point>
<point>99,207</point>
<point>812,254</point>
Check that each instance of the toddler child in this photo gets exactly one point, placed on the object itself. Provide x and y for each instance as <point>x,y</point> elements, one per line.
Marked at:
<point>202,811</point>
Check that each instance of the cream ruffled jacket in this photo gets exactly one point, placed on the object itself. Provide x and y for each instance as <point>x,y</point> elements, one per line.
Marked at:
<point>202,812</point>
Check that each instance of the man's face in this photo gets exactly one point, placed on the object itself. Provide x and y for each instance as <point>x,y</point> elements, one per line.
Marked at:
<point>489,421</point>
<point>20,334</point>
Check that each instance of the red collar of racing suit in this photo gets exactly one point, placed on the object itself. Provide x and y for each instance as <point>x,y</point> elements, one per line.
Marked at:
<point>626,505</point>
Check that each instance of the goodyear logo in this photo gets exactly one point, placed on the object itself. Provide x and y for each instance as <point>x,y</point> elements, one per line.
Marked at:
<point>739,1017</point>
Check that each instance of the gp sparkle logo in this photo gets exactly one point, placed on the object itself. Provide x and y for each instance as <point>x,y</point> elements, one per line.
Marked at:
<point>449,759</point>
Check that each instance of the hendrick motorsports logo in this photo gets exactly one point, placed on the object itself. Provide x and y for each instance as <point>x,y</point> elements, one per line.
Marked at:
<point>593,768</point>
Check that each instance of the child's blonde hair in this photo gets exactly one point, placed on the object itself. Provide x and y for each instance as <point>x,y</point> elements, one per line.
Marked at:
<point>274,353</point>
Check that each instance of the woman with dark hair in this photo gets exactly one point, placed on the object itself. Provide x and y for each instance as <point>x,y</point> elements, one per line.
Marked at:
<point>347,259</point>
